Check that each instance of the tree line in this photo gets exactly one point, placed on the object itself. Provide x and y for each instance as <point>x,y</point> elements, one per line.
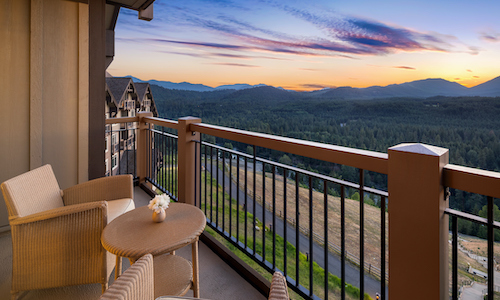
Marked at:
<point>468,126</point>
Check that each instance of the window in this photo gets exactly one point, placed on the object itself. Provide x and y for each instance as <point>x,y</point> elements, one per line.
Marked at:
<point>114,138</point>
<point>107,166</point>
<point>114,161</point>
<point>106,147</point>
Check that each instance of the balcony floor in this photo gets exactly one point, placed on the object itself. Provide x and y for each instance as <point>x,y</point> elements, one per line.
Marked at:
<point>217,279</point>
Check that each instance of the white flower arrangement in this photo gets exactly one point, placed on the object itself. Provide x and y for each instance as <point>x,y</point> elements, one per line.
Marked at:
<point>159,203</point>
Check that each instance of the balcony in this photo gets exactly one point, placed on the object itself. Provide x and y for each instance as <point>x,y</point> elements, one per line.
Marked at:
<point>182,159</point>
<point>281,217</point>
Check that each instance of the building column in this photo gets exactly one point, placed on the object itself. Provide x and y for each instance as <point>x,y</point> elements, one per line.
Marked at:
<point>418,226</point>
<point>97,86</point>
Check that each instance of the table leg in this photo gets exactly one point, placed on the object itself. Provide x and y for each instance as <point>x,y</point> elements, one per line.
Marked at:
<point>196,284</point>
<point>118,266</point>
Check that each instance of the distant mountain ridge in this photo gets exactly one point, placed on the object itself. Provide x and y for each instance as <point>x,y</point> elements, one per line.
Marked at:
<point>416,89</point>
<point>186,86</point>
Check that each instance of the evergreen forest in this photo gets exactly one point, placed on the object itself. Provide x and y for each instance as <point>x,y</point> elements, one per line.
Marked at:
<point>468,126</point>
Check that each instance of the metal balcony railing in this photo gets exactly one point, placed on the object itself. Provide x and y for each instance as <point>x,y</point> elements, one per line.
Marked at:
<point>246,197</point>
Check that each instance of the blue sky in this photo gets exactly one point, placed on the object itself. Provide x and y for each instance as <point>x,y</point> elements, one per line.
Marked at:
<point>306,45</point>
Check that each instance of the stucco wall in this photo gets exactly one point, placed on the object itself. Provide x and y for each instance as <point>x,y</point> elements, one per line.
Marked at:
<point>44,80</point>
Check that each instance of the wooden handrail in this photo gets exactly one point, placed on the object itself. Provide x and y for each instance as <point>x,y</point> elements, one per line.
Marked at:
<point>122,120</point>
<point>472,180</point>
<point>162,122</point>
<point>362,159</point>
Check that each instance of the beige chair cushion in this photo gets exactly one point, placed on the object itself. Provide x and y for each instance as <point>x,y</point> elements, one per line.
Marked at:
<point>32,192</point>
<point>115,209</point>
<point>119,207</point>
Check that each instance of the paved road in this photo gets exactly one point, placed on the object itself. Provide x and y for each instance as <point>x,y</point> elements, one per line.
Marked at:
<point>474,293</point>
<point>352,277</point>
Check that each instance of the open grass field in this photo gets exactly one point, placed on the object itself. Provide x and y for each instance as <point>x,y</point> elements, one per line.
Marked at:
<point>372,215</point>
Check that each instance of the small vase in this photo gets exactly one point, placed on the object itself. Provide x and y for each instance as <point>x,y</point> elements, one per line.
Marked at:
<point>159,217</point>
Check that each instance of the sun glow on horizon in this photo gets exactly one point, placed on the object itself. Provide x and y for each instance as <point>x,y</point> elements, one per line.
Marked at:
<point>304,46</point>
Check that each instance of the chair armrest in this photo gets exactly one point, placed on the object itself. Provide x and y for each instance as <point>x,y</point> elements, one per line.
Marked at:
<point>136,283</point>
<point>65,240</point>
<point>279,288</point>
<point>100,189</point>
<point>59,212</point>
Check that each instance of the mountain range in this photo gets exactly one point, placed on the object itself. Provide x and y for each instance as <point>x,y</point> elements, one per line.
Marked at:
<point>416,89</point>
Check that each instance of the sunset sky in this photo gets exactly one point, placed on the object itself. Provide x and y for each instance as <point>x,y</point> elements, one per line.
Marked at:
<point>309,45</point>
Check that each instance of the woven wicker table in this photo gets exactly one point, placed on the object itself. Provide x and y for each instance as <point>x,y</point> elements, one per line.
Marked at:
<point>134,234</point>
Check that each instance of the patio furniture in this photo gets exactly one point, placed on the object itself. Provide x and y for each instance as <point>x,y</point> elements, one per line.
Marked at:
<point>56,234</point>
<point>134,234</point>
<point>136,283</point>
<point>279,289</point>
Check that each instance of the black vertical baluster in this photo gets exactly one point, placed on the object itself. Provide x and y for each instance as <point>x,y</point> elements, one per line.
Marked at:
<point>263,211</point>
<point>454,257</point>
<point>148,164</point>
<point>223,190</point>
<point>254,200</point>
<point>274,218</point>
<point>361,233</point>
<point>169,185</point>
<point>297,232</point>
<point>246,200</point>
<point>206,176</point>
<point>201,139</point>
<point>284,224</point>
<point>325,208</point>
<point>163,159</point>
<point>238,198</point>
<point>310,237</point>
<point>195,172</point>
<point>174,171</point>
<point>382,246</point>
<point>211,184</point>
<point>126,149</point>
<point>342,242</point>
<point>217,170</point>
<point>491,235</point>
<point>231,194</point>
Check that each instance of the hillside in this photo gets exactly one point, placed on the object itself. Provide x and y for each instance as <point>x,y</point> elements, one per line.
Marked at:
<point>420,89</point>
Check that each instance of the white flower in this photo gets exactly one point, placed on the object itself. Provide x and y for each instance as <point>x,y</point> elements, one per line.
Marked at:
<point>159,203</point>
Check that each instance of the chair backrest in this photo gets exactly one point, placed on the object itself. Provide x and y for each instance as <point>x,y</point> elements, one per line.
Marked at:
<point>136,283</point>
<point>32,192</point>
<point>279,289</point>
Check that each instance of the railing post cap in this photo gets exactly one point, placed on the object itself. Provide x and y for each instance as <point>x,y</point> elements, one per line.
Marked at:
<point>144,114</point>
<point>419,149</point>
<point>189,118</point>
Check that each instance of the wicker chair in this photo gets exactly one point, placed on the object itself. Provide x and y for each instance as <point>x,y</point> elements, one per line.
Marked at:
<point>56,234</point>
<point>279,289</point>
<point>136,283</point>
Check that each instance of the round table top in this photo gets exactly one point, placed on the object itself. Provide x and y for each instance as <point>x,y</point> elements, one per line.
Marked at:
<point>134,233</point>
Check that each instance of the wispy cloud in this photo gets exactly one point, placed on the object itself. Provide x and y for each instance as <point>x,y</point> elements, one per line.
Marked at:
<point>309,69</point>
<point>493,37</point>
<point>404,67</point>
<point>235,65</point>
<point>337,35</point>
<point>315,86</point>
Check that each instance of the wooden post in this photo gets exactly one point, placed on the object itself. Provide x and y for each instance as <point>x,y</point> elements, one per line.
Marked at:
<point>418,227</point>
<point>186,160</point>
<point>97,86</point>
<point>142,146</point>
